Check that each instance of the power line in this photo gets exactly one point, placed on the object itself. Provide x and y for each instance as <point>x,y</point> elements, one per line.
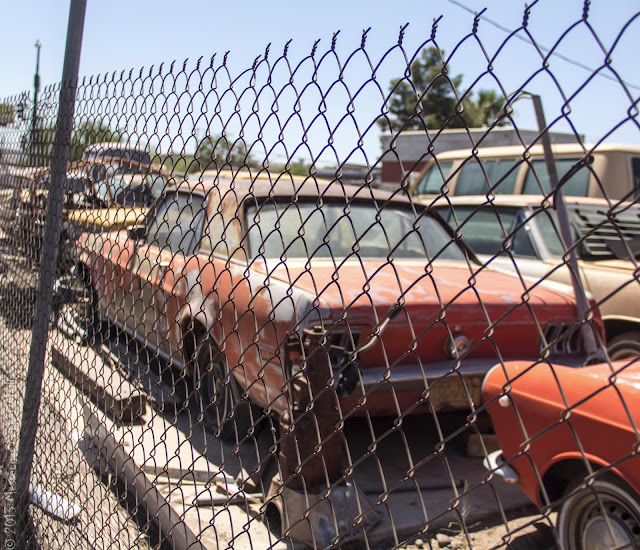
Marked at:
<point>543,48</point>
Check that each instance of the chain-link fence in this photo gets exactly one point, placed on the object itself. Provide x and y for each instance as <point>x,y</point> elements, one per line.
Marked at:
<point>264,333</point>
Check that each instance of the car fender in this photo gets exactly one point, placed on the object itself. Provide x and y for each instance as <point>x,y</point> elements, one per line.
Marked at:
<point>594,460</point>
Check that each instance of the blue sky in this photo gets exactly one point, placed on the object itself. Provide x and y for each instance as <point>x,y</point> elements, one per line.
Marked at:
<point>121,35</point>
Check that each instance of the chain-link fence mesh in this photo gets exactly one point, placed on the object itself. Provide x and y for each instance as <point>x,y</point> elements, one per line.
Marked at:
<point>262,335</point>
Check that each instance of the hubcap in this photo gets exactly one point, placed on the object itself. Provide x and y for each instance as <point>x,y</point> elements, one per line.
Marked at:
<point>615,528</point>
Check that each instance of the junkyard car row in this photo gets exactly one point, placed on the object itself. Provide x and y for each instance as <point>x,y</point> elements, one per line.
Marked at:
<point>219,275</point>
<point>102,193</point>
<point>223,273</point>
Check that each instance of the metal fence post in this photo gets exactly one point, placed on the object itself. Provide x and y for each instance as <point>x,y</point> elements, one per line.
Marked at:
<point>582,304</point>
<point>34,114</point>
<point>35,372</point>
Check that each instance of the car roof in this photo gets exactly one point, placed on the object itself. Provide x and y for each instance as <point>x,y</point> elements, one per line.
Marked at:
<point>108,160</point>
<point>121,147</point>
<point>521,201</point>
<point>283,185</point>
<point>536,150</point>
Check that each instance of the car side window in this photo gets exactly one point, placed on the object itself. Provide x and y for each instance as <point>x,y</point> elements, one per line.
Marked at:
<point>498,174</point>
<point>537,180</point>
<point>177,223</point>
<point>481,229</point>
<point>432,182</point>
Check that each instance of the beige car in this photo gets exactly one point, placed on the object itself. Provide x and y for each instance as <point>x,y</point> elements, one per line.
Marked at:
<point>608,253</point>
<point>606,170</point>
<point>120,191</point>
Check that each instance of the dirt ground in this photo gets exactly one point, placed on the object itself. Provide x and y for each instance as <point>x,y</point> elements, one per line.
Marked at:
<point>429,452</point>
<point>530,531</point>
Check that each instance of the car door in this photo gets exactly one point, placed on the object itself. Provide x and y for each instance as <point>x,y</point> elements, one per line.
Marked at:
<point>171,237</point>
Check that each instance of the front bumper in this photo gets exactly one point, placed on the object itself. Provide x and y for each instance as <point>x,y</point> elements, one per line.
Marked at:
<point>495,463</point>
<point>415,376</point>
<point>439,383</point>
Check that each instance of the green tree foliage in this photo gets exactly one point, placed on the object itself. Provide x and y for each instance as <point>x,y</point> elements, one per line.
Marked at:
<point>84,134</point>
<point>426,98</point>
<point>89,132</point>
<point>299,167</point>
<point>221,153</point>
<point>180,164</point>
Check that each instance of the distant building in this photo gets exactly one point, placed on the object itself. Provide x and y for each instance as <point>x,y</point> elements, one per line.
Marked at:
<point>411,149</point>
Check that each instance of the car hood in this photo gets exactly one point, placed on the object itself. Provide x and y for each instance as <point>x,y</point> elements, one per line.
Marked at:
<point>442,299</point>
<point>563,386</point>
<point>441,283</point>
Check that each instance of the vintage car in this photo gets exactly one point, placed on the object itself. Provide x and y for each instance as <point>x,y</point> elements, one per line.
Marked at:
<point>100,195</point>
<point>569,437</point>
<point>226,272</point>
<point>591,170</point>
<point>606,252</point>
<point>122,191</point>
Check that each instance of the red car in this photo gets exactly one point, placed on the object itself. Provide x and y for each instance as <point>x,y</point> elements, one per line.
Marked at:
<point>570,436</point>
<point>226,272</point>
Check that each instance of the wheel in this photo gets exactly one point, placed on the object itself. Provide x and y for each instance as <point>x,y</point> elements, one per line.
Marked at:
<point>624,346</point>
<point>223,410</point>
<point>604,515</point>
<point>74,311</point>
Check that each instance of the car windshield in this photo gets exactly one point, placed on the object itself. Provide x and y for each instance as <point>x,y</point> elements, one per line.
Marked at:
<point>481,230</point>
<point>335,230</point>
<point>603,238</point>
<point>599,238</point>
<point>130,187</point>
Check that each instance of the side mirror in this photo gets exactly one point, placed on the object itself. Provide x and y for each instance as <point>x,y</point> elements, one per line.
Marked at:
<point>137,232</point>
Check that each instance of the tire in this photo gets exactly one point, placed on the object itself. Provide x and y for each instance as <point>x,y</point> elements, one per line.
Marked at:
<point>222,408</point>
<point>582,524</point>
<point>624,346</point>
<point>74,312</point>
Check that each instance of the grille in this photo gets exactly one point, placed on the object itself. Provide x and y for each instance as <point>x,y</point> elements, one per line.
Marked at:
<point>562,339</point>
<point>598,232</point>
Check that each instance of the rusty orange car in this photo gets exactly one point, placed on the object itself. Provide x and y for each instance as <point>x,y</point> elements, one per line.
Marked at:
<point>569,438</point>
<point>227,271</point>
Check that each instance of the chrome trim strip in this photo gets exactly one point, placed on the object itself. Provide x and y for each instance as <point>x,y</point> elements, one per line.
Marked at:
<point>486,376</point>
<point>415,376</point>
